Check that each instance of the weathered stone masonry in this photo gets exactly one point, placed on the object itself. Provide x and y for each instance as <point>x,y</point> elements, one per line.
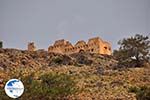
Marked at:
<point>31,46</point>
<point>94,45</point>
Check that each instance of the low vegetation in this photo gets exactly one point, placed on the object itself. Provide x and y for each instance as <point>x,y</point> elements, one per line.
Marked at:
<point>133,51</point>
<point>49,86</point>
<point>142,93</point>
<point>1,44</point>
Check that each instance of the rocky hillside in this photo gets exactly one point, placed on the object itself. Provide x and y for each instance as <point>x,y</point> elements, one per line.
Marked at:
<point>12,58</point>
<point>95,75</point>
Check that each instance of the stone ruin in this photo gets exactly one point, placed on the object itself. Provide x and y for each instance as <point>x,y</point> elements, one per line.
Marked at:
<point>31,46</point>
<point>94,45</point>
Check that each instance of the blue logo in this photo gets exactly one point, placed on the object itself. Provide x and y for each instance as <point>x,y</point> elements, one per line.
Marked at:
<point>14,88</point>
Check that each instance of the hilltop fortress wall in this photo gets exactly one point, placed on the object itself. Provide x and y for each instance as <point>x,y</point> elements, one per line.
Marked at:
<point>94,45</point>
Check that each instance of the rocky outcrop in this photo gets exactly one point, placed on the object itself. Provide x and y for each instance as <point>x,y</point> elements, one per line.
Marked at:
<point>10,58</point>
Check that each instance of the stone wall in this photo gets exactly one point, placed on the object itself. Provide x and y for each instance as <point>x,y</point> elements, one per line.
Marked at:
<point>94,45</point>
<point>31,46</point>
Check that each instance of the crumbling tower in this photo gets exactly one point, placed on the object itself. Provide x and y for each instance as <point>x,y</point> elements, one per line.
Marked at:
<point>31,46</point>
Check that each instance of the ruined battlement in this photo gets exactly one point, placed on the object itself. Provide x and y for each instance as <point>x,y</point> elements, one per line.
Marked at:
<point>94,45</point>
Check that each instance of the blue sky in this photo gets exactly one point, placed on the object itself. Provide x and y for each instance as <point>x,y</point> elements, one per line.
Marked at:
<point>44,21</point>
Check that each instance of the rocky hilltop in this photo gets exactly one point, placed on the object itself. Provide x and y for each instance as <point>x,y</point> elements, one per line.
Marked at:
<point>12,58</point>
<point>95,75</point>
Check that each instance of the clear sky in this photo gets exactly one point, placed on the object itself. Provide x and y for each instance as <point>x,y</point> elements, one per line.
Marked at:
<point>44,21</point>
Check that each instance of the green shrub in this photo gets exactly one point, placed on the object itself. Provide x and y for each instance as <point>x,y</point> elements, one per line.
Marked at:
<point>3,95</point>
<point>78,65</point>
<point>142,93</point>
<point>48,87</point>
<point>57,60</point>
<point>1,44</point>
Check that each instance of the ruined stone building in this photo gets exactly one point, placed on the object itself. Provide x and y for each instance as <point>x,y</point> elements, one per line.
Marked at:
<point>94,45</point>
<point>31,46</point>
